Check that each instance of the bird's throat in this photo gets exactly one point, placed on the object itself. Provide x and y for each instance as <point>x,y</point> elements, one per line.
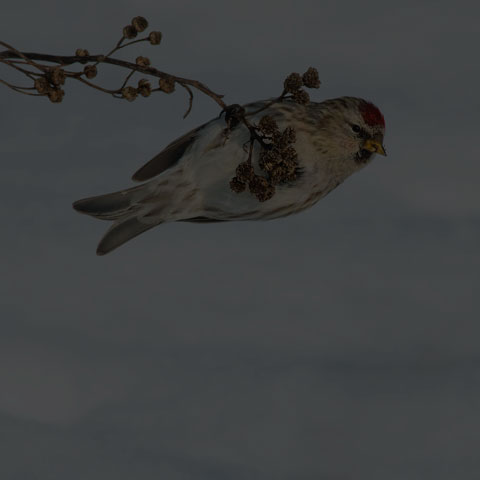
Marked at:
<point>363,156</point>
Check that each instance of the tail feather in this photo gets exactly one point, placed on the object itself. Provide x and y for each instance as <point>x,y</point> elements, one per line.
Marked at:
<point>133,212</point>
<point>111,206</point>
<point>125,208</point>
<point>121,232</point>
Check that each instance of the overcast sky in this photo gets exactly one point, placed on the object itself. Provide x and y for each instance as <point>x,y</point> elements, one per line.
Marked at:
<point>341,343</point>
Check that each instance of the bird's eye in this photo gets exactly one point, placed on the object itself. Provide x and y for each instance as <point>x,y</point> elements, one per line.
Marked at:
<point>356,128</point>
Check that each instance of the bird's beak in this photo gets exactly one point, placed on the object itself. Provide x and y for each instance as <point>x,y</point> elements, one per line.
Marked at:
<point>375,146</point>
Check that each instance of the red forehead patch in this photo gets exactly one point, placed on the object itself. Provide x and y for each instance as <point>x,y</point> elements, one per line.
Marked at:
<point>372,115</point>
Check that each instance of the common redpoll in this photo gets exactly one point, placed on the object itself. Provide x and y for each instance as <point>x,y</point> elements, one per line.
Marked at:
<point>190,180</point>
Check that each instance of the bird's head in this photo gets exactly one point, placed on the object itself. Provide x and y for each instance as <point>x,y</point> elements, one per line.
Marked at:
<point>357,126</point>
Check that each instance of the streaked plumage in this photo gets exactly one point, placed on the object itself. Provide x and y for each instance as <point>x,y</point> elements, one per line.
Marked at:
<point>189,179</point>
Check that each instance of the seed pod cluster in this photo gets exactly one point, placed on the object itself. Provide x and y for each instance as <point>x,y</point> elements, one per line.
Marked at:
<point>257,184</point>
<point>55,95</point>
<point>301,96</point>
<point>56,76</point>
<point>49,84</point>
<point>155,38</point>
<point>261,188</point>
<point>144,87</point>
<point>268,126</point>
<point>278,160</point>
<point>139,24</point>
<point>129,32</point>
<point>233,115</point>
<point>90,71</point>
<point>311,79</point>
<point>245,174</point>
<point>294,82</point>
<point>129,93</point>
<point>41,85</point>
<point>237,185</point>
<point>81,52</point>
<point>142,61</point>
<point>166,84</point>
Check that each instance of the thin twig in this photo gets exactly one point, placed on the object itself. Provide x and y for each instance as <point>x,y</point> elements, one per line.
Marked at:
<point>127,78</point>
<point>190,99</point>
<point>90,84</point>
<point>28,73</point>
<point>20,89</point>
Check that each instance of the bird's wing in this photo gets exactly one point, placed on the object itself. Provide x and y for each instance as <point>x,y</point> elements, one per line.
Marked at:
<point>168,157</point>
<point>173,152</point>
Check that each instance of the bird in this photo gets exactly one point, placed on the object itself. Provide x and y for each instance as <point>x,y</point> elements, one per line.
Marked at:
<point>190,179</point>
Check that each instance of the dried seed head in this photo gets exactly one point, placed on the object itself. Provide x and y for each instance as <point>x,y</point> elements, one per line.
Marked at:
<point>129,93</point>
<point>81,52</point>
<point>129,31</point>
<point>278,174</point>
<point>233,115</point>
<point>293,83</point>
<point>261,188</point>
<point>57,76</point>
<point>289,154</point>
<point>311,78</point>
<point>237,186</point>
<point>292,171</point>
<point>245,171</point>
<point>56,95</point>
<point>289,172</point>
<point>142,61</point>
<point>41,85</point>
<point>139,24</point>
<point>291,164</point>
<point>144,87</point>
<point>285,171</point>
<point>289,135</point>
<point>301,96</point>
<point>90,71</point>
<point>268,159</point>
<point>267,125</point>
<point>155,38</point>
<point>283,139</point>
<point>167,84</point>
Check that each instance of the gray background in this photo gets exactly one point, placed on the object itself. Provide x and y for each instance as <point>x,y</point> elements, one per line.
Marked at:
<point>341,343</point>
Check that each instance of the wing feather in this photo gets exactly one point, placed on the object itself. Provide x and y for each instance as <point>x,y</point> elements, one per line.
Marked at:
<point>168,157</point>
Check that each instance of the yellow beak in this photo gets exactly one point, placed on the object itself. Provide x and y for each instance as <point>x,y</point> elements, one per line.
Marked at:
<point>374,146</point>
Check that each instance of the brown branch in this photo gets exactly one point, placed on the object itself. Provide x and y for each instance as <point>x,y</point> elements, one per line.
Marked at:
<point>71,59</point>
<point>17,54</point>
